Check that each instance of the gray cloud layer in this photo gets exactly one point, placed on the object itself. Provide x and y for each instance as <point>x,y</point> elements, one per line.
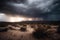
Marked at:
<point>31,6</point>
<point>35,8</point>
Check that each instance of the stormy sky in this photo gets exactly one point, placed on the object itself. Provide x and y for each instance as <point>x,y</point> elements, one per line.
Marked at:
<point>48,10</point>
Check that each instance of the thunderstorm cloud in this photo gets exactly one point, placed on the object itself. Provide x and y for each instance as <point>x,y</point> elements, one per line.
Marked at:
<point>46,9</point>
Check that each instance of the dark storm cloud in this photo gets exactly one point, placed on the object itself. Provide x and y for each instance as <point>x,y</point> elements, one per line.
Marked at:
<point>33,8</point>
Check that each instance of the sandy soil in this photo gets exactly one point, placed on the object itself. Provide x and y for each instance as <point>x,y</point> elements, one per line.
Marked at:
<point>18,35</point>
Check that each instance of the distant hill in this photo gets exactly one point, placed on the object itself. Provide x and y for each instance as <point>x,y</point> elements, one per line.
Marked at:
<point>42,22</point>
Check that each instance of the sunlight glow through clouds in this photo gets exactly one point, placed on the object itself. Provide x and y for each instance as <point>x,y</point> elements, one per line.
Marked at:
<point>6,18</point>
